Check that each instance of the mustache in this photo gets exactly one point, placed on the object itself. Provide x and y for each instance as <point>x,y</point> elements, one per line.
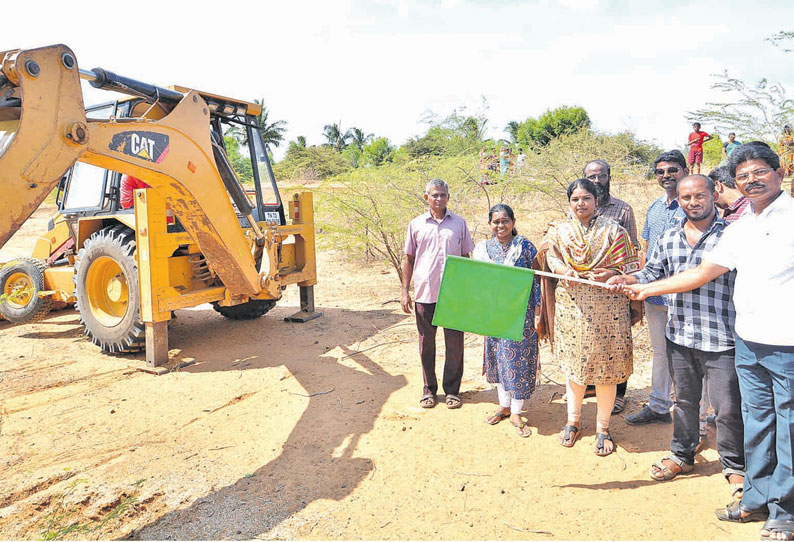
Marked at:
<point>755,184</point>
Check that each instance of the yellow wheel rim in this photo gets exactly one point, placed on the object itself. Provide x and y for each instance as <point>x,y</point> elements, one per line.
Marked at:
<point>106,290</point>
<point>19,290</point>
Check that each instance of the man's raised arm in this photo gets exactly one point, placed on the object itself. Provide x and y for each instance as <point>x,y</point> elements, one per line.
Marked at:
<point>682,282</point>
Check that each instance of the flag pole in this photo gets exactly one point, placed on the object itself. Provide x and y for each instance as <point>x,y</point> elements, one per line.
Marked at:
<point>571,279</point>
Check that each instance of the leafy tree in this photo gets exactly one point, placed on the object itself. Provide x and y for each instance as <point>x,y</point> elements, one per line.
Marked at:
<point>512,129</point>
<point>359,138</point>
<point>240,164</point>
<point>334,136</point>
<point>535,132</point>
<point>712,153</point>
<point>299,143</point>
<point>272,132</point>
<point>752,110</point>
<point>376,152</point>
<point>454,134</point>
<point>352,154</point>
<point>783,36</point>
<point>309,163</point>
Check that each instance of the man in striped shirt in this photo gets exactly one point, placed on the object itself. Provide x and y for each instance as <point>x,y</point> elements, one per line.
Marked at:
<point>700,336</point>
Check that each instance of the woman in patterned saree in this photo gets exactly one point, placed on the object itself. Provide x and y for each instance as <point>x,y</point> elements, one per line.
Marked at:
<point>511,365</point>
<point>589,327</point>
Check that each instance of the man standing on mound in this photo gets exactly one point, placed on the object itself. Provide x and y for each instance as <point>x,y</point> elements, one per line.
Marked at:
<point>431,237</point>
<point>695,144</point>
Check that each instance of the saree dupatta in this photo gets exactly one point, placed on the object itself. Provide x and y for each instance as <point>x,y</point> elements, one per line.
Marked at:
<point>603,244</point>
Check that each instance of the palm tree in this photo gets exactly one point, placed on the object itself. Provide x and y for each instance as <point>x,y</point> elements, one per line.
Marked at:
<point>272,133</point>
<point>336,139</point>
<point>359,138</point>
<point>512,129</point>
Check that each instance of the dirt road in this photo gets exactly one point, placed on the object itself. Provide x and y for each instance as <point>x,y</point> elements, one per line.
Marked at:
<point>313,431</point>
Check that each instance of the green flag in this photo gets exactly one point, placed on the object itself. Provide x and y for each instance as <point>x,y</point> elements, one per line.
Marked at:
<point>484,298</point>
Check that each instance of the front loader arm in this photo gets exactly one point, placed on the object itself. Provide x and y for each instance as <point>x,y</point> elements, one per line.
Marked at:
<point>173,155</point>
<point>40,151</point>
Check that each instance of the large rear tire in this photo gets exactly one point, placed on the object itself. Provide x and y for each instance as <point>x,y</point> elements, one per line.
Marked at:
<point>107,290</point>
<point>20,283</point>
<point>253,308</point>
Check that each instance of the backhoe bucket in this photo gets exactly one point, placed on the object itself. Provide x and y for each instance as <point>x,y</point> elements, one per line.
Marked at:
<point>37,128</point>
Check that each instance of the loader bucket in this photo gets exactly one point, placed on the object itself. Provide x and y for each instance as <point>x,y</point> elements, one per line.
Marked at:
<point>41,115</point>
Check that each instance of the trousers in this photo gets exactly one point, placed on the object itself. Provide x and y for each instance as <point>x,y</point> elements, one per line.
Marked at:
<point>688,366</point>
<point>661,382</point>
<point>453,341</point>
<point>766,379</point>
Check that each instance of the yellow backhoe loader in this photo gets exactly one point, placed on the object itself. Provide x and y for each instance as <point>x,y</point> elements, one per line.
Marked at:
<point>192,237</point>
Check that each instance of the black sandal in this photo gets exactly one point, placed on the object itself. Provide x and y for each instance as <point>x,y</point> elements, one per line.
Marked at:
<point>737,513</point>
<point>570,435</point>
<point>600,439</point>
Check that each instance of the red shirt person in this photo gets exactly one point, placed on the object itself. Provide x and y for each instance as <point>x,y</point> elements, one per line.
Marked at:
<point>695,144</point>
<point>127,192</point>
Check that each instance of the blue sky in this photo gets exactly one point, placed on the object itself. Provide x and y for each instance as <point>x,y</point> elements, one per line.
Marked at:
<point>381,65</point>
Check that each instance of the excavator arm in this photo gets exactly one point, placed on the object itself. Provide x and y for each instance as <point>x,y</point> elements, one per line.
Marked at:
<point>174,155</point>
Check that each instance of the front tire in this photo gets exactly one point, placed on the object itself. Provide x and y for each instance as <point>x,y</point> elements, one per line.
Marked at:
<point>20,283</point>
<point>107,290</point>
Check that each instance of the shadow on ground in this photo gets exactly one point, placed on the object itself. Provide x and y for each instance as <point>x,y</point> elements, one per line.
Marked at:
<point>317,460</point>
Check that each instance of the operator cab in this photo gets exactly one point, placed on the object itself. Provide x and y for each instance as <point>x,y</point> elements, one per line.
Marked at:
<point>87,190</point>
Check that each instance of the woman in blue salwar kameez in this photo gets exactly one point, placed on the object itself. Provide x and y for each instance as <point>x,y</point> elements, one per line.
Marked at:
<point>511,365</point>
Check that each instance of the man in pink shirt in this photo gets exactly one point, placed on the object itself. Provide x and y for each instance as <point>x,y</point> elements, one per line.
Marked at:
<point>430,238</point>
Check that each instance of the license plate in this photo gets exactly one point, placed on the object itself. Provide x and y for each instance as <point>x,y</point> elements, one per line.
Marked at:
<point>272,216</point>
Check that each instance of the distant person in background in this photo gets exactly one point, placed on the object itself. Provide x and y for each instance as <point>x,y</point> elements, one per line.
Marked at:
<point>669,168</point>
<point>504,160</point>
<point>728,147</point>
<point>599,172</point>
<point>127,190</point>
<point>520,159</point>
<point>511,365</point>
<point>732,203</point>
<point>695,144</point>
<point>785,149</point>
<point>430,238</point>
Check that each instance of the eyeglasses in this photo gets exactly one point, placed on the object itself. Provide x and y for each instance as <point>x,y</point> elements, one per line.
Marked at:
<point>601,177</point>
<point>671,170</point>
<point>741,177</point>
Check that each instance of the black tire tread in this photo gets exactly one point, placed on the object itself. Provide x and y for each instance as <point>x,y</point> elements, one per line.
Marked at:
<point>134,339</point>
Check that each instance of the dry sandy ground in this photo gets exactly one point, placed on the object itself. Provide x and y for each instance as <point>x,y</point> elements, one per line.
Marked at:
<point>313,431</point>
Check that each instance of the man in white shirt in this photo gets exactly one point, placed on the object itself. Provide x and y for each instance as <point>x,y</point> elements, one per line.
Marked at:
<point>760,246</point>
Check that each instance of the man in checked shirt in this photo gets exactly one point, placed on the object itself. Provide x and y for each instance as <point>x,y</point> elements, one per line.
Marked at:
<point>700,336</point>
